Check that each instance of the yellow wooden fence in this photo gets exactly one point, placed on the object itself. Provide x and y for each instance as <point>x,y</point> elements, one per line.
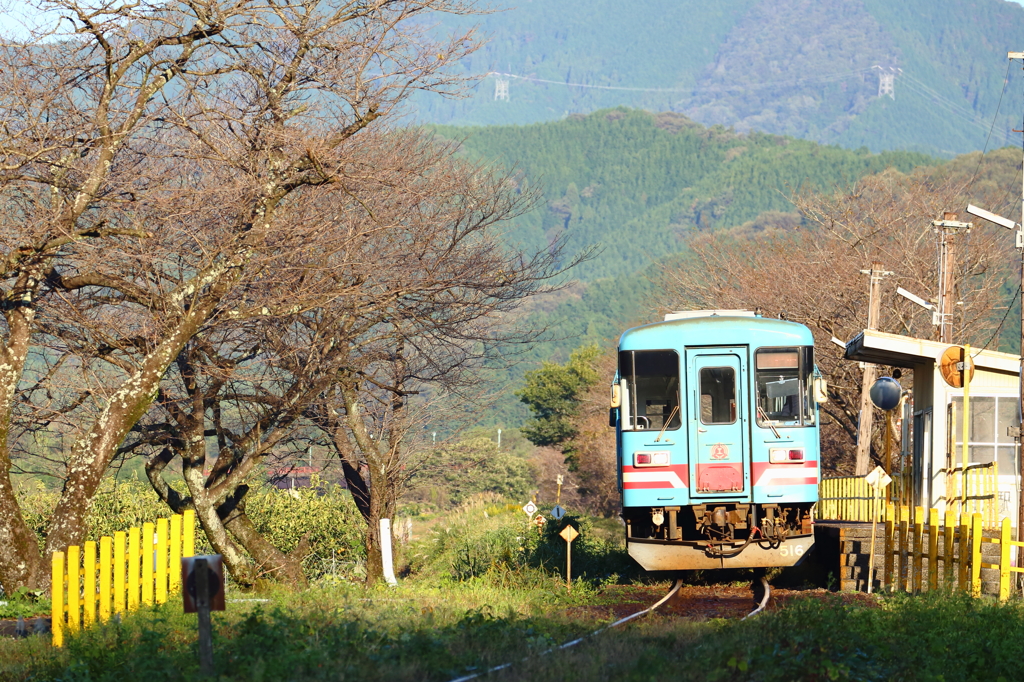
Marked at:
<point>90,587</point>
<point>978,491</point>
<point>849,498</point>
<point>917,542</point>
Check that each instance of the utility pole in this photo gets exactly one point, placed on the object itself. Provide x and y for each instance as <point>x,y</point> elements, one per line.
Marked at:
<point>947,228</point>
<point>875,275</point>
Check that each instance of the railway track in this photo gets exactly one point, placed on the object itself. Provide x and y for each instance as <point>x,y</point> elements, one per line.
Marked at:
<point>676,586</point>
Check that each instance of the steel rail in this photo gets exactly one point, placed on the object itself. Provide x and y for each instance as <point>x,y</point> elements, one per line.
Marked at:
<point>675,588</point>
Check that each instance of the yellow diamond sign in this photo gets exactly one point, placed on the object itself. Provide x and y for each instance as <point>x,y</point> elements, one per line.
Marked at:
<point>569,533</point>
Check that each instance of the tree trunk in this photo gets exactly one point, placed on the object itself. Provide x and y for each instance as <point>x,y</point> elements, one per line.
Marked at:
<point>21,562</point>
<point>269,560</point>
<point>382,506</point>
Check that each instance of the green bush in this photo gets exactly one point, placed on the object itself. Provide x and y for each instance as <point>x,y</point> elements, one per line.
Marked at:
<point>472,466</point>
<point>325,513</point>
<point>488,537</point>
<point>118,505</point>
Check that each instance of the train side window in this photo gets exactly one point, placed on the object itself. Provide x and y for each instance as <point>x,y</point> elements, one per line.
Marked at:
<point>717,395</point>
<point>651,398</point>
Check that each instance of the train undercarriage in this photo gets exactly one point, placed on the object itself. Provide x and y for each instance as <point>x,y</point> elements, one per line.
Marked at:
<point>719,535</point>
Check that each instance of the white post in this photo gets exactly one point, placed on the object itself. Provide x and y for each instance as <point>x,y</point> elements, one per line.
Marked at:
<point>385,551</point>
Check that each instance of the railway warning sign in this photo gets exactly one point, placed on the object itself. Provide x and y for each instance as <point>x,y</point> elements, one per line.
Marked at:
<point>558,512</point>
<point>719,451</point>
<point>569,533</point>
<point>878,479</point>
<point>530,508</point>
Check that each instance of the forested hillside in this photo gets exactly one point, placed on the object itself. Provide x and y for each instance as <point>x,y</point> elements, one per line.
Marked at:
<point>805,68</point>
<point>634,183</point>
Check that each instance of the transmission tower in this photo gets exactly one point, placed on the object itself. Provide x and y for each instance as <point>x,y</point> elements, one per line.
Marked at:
<point>501,89</point>
<point>887,81</point>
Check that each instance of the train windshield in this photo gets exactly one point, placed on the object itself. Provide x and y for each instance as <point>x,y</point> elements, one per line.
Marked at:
<point>651,400</point>
<point>784,386</point>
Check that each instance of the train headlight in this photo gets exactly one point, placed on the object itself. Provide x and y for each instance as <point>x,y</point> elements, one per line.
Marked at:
<point>785,455</point>
<point>657,458</point>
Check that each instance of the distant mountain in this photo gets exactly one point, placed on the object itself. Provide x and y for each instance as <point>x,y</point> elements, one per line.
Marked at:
<point>806,68</point>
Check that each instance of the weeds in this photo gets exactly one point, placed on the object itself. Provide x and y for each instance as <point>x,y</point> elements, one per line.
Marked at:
<point>437,631</point>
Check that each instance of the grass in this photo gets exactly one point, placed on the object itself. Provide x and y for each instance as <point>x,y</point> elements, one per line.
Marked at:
<point>484,589</point>
<point>415,631</point>
<point>439,631</point>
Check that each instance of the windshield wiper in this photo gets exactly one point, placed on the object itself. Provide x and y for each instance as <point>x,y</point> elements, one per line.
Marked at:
<point>771,425</point>
<point>667,422</point>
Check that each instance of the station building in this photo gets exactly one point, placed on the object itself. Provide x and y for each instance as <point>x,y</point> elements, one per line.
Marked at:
<point>931,423</point>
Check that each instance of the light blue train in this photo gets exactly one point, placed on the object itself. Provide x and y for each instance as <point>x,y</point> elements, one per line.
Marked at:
<point>717,423</point>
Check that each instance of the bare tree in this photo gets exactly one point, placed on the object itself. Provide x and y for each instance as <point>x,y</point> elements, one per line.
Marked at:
<point>812,274</point>
<point>414,292</point>
<point>104,162</point>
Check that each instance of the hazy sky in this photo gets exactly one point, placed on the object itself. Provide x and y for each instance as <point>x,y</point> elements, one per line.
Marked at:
<point>15,14</point>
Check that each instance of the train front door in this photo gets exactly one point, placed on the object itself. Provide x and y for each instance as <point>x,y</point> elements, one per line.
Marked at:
<point>716,379</point>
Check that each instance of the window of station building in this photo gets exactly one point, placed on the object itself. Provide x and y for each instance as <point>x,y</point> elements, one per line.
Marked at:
<point>987,439</point>
<point>783,378</point>
<point>717,395</point>
<point>652,389</point>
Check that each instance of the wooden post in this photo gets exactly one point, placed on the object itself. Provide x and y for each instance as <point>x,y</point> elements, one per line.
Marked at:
<point>1004,560</point>
<point>874,525</point>
<point>106,575</point>
<point>917,569</point>
<point>947,263</point>
<point>888,455</point>
<point>965,550</point>
<point>148,556</point>
<point>202,575</point>
<point>863,458</point>
<point>903,573</point>
<point>188,542</point>
<point>74,619</point>
<point>173,575</point>
<point>134,568</point>
<point>120,571</point>
<point>89,584</point>
<point>57,599</point>
<point>933,549</point>
<point>948,536</point>
<point>889,545</point>
<point>976,536</point>
<point>161,561</point>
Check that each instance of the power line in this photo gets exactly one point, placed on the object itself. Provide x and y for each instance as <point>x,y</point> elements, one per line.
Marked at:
<point>962,113</point>
<point>1006,82</point>
<point>705,89</point>
<point>1001,322</point>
